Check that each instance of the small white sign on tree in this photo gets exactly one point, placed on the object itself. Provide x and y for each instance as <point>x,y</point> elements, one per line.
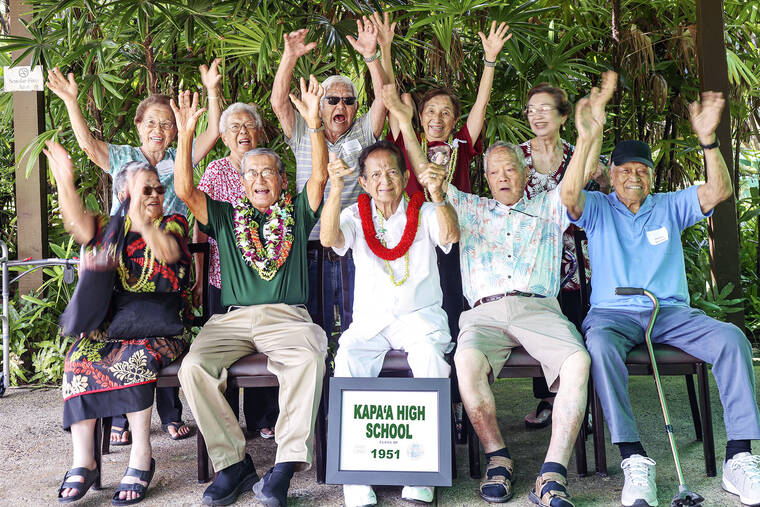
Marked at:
<point>23,78</point>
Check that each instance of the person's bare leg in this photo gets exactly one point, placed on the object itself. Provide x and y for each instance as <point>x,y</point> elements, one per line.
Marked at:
<point>569,407</point>
<point>472,372</point>
<point>83,453</point>
<point>139,456</point>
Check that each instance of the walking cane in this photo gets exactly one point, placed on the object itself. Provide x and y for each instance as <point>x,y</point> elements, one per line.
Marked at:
<point>685,497</point>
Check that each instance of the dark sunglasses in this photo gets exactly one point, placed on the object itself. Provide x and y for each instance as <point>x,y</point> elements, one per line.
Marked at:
<point>333,100</point>
<point>148,190</point>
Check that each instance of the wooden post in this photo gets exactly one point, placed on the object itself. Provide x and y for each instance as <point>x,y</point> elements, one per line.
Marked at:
<point>31,195</point>
<point>713,72</point>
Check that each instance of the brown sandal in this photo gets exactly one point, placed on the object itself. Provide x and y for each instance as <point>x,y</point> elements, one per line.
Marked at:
<point>493,477</point>
<point>552,486</point>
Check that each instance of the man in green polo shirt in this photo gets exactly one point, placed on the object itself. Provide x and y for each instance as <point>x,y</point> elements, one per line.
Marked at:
<point>262,245</point>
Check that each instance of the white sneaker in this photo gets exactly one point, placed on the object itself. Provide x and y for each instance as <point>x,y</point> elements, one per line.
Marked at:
<point>423,494</point>
<point>640,489</point>
<point>741,476</point>
<point>358,495</point>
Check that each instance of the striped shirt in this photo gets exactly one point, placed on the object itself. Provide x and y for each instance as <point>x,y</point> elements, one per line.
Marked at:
<point>347,147</point>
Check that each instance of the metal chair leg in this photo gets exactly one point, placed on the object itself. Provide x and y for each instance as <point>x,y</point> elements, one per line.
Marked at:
<point>694,406</point>
<point>708,441</point>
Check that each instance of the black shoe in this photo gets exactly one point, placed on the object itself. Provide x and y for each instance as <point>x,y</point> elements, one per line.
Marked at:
<point>230,482</point>
<point>272,489</point>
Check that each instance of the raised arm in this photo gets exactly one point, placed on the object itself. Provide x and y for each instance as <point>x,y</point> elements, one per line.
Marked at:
<point>308,107</point>
<point>589,121</point>
<point>330,234</point>
<point>67,90</point>
<point>491,47</point>
<point>705,118</point>
<point>366,45</point>
<point>294,48</point>
<point>402,110</point>
<point>433,177</point>
<point>76,220</point>
<point>205,142</point>
<point>186,117</point>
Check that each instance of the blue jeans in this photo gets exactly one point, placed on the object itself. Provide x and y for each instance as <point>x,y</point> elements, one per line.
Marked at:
<point>337,288</point>
<point>611,334</point>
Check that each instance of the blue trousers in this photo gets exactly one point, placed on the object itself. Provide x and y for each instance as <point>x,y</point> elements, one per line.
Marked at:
<point>337,288</point>
<point>611,334</point>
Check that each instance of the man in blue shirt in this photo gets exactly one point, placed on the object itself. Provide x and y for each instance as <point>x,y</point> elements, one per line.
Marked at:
<point>635,241</point>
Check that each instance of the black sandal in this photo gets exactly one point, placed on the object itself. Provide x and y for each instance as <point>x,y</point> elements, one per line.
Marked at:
<point>120,432</point>
<point>142,475</point>
<point>543,407</point>
<point>176,426</point>
<point>89,476</point>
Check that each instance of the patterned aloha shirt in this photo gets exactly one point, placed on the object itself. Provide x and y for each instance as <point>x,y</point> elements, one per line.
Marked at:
<point>509,248</point>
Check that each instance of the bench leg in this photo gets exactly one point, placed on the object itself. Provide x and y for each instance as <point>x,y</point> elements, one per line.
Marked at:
<point>707,441</point>
<point>600,451</point>
<point>473,448</point>
<point>320,441</point>
<point>107,434</point>
<point>97,441</point>
<point>695,416</point>
<point>204,468</point>
<point>581,464</point>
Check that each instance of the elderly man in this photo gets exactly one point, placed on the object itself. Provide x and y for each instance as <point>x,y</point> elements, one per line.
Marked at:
<point>346,137</point>
<point>262,245</point>
<point>398,293</point>
<point>635,241</point>
<point>510,259</point>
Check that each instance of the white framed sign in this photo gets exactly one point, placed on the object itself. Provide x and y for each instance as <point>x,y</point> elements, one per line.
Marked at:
<point>390,431</point>
<point>23,78</point>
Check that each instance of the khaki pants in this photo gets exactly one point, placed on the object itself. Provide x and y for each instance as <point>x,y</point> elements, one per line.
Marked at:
<point>296,349</point>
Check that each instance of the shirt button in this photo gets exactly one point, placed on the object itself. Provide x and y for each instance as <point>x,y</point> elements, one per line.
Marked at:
<point>509,256</point>
<point>508,234</point>
<point>509,276</point>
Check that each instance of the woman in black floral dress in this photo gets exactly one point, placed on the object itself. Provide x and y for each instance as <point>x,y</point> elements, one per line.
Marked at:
<point>105,377</point>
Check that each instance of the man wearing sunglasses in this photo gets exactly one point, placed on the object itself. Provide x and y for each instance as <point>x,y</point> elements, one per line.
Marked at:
<point>346,136</point>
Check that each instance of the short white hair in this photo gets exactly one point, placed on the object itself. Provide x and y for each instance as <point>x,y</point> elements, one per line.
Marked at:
<point>516,151</point>
<point>239,107</point>
<point>338,79</point>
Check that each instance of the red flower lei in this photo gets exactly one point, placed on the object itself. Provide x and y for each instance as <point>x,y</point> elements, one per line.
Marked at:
<point>410,231</point>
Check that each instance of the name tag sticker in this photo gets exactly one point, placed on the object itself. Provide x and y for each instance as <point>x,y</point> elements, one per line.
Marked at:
<point>657,236</point>
<point>351,147</point>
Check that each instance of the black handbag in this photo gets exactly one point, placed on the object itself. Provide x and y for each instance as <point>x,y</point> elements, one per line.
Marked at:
<point>91,301</point>
<point>145,315</point>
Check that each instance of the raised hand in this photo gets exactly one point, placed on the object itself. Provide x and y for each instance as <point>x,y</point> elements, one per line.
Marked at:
<point>432,177</point>
<point>308,104</point>
<point>366,42</point>
<point>295,45</point>
<point>599,97</point>
<point>384,28</point>
<point>337,170</point>
<point>66,89</point>
<point>401,108</point>
<point>705,116</point>
<point>210,75</point>
<point>60,163</point>
<point>495,40</point>
<point>187,114</point>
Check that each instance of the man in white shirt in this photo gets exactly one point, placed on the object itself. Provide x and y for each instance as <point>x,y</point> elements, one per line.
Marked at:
<point>397,303</point>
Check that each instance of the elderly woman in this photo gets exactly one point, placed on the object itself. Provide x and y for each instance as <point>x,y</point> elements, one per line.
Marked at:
<point>547,156</point>
<point>155,126</point>
<point>154,121</point>
<point>109,371</point>
<point>240,127</point>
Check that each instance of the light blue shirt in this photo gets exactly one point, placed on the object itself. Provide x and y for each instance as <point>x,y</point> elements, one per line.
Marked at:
<point>642,250</point>
<point>120,154</point>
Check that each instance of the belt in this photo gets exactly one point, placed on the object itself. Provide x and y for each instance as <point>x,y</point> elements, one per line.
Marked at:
<point>313,248</point>
<point>497,297</point>
<point>232,308</point>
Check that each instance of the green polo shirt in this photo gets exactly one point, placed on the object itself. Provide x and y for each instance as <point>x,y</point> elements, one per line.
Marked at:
<point>241,283</point>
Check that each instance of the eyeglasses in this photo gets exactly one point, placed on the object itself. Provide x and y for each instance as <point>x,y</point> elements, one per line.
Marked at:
<point>235,127</point>
<point>545,108</point>
<point>333,100</point>
<point>164,125</point>
<point>253,174</point>
<point>159,189</point>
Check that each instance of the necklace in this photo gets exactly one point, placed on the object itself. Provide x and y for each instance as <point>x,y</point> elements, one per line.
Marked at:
<point>277,230</point>
<point>452,160</point>
<point>147,269</point>
<point>378,245</point>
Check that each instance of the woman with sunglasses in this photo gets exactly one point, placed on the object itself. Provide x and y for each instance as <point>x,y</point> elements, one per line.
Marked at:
<point>547,156</point>
<point>108,371</point>
<point>156,129</point>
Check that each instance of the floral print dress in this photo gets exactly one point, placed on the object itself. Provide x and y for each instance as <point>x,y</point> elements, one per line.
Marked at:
<point>105,377</point>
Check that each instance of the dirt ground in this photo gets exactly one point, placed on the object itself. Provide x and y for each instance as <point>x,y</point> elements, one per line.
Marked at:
<point>35,453</point>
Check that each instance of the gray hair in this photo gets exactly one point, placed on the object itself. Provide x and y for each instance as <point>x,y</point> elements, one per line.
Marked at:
<point>263,151</point>
<point>335,80</point>
<point>127,171</point>
<point>516,151</point>
<point>239,107</point>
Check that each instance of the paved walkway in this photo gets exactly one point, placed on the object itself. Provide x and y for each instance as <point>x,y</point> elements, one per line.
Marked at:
<point>35,452</point>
